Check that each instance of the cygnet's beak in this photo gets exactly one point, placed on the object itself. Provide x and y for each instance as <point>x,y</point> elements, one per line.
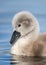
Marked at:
<point>15,36</point>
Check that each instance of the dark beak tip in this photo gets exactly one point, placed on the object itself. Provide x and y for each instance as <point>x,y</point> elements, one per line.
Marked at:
<point>11,41</point>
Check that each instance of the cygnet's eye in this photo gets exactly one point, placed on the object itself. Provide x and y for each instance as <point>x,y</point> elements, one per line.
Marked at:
<point>19,25</point>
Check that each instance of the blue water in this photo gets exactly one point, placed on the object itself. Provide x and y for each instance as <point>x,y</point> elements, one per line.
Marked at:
<point>8,8</point>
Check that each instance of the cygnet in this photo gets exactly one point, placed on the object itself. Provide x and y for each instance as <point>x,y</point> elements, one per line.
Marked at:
<point>27,40</point>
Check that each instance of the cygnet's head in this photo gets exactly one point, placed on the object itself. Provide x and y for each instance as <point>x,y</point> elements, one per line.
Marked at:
<point>23,23</point>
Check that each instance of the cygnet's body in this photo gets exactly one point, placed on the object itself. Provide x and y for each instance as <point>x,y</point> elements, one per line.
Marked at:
<point>30,42</point>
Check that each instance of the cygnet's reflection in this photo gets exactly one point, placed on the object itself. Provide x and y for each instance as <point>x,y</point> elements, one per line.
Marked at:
<point>21,60</point>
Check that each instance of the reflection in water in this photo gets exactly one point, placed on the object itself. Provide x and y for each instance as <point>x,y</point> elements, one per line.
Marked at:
<point>19,60</point>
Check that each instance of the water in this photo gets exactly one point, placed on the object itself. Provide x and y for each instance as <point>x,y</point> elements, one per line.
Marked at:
<point>7,10</point>
<point>14,60</point>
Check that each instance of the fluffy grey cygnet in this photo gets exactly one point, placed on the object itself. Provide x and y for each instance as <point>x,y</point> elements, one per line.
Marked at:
<point>27,39</point>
